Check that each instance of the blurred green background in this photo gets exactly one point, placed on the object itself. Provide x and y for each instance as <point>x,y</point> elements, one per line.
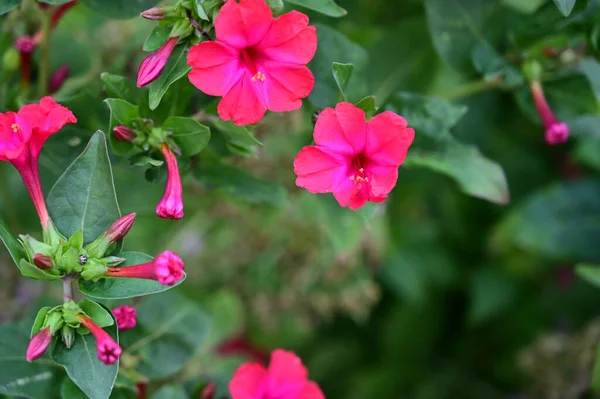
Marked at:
<point>433,294</point>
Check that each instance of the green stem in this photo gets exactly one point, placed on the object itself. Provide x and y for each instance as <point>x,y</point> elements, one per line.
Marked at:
<point>67,289</point>
<point>468,89</point>
<point>45,58</point>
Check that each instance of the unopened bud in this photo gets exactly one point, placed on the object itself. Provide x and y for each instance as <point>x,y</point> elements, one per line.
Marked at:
<point>119,228</point>
<point>123,133</point>
<point>25,44</point>
<point>38,344</point>
<point>68,335</point>
<point>58,78</point>
<point>154,13</point>
<point>154,64</point>
<point>208,392</point>
<point>113,261</point>
<point>44,262</point>
<point>10,59</point>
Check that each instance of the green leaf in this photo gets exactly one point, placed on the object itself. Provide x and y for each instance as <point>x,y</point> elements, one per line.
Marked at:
<point>39,320</point>
<point>595,382</point>
<point>239,184</point>
<point>69,390</point>
<point>524,6</point>
<point>200,10</point>
<point>119,9</point>
<point>54,2</point>
<point>143,160</point>
<point>8,5</point>
<point>590,273</point>
<point>190,135</point>
<point>124,113</point>
<point>333,47</point>
<point>156,38</point>
<point>12,245</point>
<point>458,26</point>
<point>240,140</point>
<point>32,271</point>
<point>276,5</point>
<point>170,392</point>
<point>494,67</point>
<point>327,7</point>
<point>84,196</point>
<point>491,292</point>
<point>174,330</point>
<point>368,104</point>
<point>558,222</point>
<point>175,69</point>
<point>96,312</point>
<point>20,377</point>
<point>120,288</point>
<point>83,367</point>
<point>342,74</point>
<point>565,6</point>
<point>120,87</point>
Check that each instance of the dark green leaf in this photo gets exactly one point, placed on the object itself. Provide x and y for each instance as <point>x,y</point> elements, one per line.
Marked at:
<point>495,68</point>
<point>156,38</point>
<point>83,367</point>
<point>239,184</point>
<point>12,245</point>
<point>590,273</point>
<point>69,390</point>
<point>565,6</point>
<point>119,288</point>
<point>8,5</point>
<point>367,104</point>
<point>327,7</point>
<point>120,87</point>
<point>190,135</point>
<point>491,291</point>
<point>121,9</point>
<point>240,140</point>
<point>123,113</point>
<point>170,392</point>
<point>342,73</point>
<point>175,69</point>
<point>84,196</point>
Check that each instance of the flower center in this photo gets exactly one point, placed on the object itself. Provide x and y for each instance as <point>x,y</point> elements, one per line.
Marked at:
<point>17,130</point>
<point>358,175</point>
<point>248,57</point>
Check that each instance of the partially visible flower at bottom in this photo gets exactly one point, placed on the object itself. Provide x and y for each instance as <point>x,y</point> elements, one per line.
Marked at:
<point>286,378</point>
<point>171,204</point>
<point>38,344</point>
<point>556,132</point>
<point>108,350</point>
<point>126,317</point>
<point>167,268</point>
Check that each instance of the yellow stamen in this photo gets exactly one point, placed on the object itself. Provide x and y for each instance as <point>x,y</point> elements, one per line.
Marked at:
<point>15,128</point>
<point>259,76</point>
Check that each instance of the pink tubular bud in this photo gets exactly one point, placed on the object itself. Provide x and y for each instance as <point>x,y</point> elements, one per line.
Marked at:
<point>556,132</point>
<point>108,350</point>
<point>123,133</point>
<point>58,78</point>
<point>25,45</point>
<point>167,268</point>
<point>61,10</point>
<point>154,13</point>
<point>38,344</point>
<point>119,228</point>
<point>126,317</point>
<point>154,64</point>
<point>171,204</point>
<point>208,392</point>
<point>43,262</point>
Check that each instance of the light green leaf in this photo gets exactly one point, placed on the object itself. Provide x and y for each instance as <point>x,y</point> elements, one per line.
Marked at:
<point>342,73</point>
<point>368,104</point>
<point>524,6</point>
<point>239,139</point>
<point>156,38</point>
<point>12,245</point>
<point>565,6</point>
<point>170,392</point>
<point>175,69</point>
<point>190,135</point>
<point>590,273</point>
<point>327,7</point>
<point>84,196</point>
<point>32,271</point>
<point>119,288</point>
<point>39,320</point>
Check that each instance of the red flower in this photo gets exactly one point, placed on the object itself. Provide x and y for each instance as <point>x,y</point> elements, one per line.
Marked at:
<point>22,136</point>
<point>556,132</point>
<point>171,204</point>
<point>126,317</point>
<point>108,350</point>
<point>286,378</point>
<point>38,344</point>
<point>154,64</point>
<point>166,268</point>
<point>354,159</point>
<point>256,63</point>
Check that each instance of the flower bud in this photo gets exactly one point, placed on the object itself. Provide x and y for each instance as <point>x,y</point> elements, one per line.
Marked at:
<point>68,335</point>
<point>171,204</point>
<point>108,350</point>
<point>38,344</point>
<point>157,13</point>
<point>123,133</point>
<point>154,64</point>
<point>126,317</point>
<point>115,232</point>
<point>556,132</point>
<point>44,262</point>
<point>58,78</point>
<point>208,392</point>
<point>167,268</point>
<point>25,44</point>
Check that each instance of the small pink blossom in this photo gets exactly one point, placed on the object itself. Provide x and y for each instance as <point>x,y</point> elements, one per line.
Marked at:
<point>286,378</point>
<point>108,350</point>
<point>167,268</point>
<point>354,159</point>
<point>154,64</point>
<point>556,132</point>
<point>126,317</point>
<point>123,133</point>
<point>38,344</point>
<point>171,204</point>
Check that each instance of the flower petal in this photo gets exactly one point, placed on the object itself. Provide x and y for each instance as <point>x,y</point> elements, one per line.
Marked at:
<point>243,103</point>
<point>388,139</point>
<point>383,180</point>
<point>285,85</point>
<point>311,391</point>
<point>215,67</point>
<point>290,39</point>
<point>347,194</point>
<point>248,381</point>
<point>287,367</point>
<point>318,170</point>
<point>329,134</point>
<point>353,123</point>
<point>243,24</point>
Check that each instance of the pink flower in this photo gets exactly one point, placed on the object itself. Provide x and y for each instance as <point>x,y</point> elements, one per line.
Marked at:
<point>171,204</point>
<point>354,159</point>
<point>286,378</point>
<point>556,132</point>
<point>126,317</point>
<point>38,344</point>
<point>154,64</point>
<point>167,268</point>
<point>256,63</point>
<point>123,133</point>
<point>108,350</point>
<point>22,136</point>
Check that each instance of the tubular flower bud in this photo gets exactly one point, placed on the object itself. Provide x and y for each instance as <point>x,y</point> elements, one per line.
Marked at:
<point>123,133</point>
<point>158,13</point>
<point>167,268</point>
<point>171,205</point>
<point>108,350</point>
<point>556,132</point>
<point>115,232</point>
<point>44,262</point>
<point>25,45</point>
<point>58,78</point>
<point>208,392</point>
<point>38,344</point>
<point>68,335</point>
<point>154,64</point>
<point>126,317</point>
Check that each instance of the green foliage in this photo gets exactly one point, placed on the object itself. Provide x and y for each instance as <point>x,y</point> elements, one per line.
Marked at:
<point>175,69</point>
<point>327,7</point>
<point>565,6</point>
